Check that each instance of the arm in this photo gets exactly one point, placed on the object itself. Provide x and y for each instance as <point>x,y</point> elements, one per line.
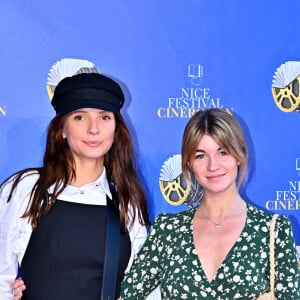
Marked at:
<point>138,235</point>
<point>287,279</point>
<point>19,287</point>
<point>147,268</point>
<point>14,235</point>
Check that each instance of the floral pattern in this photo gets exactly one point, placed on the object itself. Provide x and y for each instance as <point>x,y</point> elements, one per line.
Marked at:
<point>169,259</point>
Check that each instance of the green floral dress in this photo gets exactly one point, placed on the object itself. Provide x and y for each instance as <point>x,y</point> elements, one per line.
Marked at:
<point>169,259</point>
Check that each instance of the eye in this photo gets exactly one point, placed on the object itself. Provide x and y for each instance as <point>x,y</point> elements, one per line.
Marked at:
<point>223,152</point>
<point>105,117</point>
<point>200,156</point>
<point>78,117</point>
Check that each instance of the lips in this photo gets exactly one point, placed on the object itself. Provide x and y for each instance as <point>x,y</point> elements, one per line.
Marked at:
<point>215,177</point>
<point>93,143</point>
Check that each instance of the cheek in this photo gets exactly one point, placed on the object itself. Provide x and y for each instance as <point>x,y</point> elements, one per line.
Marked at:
<point>110,133</point>
<point>72,131</point>
<point>234,165</point>
<point>195,168</point>
<point>68,135</point>
<point>108,139</point>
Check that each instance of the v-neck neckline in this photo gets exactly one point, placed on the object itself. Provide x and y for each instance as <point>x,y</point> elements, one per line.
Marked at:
<point>235,247</point>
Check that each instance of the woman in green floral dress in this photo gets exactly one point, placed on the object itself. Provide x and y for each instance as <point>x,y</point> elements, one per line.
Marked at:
<point>220,249</point>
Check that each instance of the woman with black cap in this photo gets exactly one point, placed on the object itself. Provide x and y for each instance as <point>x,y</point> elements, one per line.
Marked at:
<point>76,222</point>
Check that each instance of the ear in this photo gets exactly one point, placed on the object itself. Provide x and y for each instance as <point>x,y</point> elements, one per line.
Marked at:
<point>63,135</point>
<point>190,167</point>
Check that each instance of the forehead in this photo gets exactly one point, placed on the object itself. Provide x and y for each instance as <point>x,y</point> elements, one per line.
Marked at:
<point>207,142</point>
<point>92,112</point>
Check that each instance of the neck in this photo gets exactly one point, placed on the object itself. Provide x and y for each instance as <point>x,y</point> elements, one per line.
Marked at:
<point>87,173</point>
<point>217,209</point>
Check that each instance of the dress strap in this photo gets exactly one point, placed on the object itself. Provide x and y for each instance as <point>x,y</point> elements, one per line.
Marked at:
<point>111,256</point>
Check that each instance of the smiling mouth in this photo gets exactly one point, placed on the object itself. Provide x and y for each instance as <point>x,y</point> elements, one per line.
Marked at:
<point>215,176</point>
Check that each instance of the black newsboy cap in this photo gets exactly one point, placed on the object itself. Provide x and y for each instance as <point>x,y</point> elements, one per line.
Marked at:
<point>91,90</point>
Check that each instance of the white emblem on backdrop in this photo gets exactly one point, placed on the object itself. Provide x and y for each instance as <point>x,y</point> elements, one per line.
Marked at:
<point>298,165</point>
<point>2,111</point>
<point>173,185</point>
<point>67,67</point>
<point>286,86</point>
<point>287,199</point>
<point>190,98</point>
<point>195,72</point>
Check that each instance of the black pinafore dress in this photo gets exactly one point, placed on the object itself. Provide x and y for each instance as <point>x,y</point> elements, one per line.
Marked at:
<point>65,255</point>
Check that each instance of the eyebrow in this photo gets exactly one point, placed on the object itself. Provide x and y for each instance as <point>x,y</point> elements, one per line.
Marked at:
<point>200,150</point>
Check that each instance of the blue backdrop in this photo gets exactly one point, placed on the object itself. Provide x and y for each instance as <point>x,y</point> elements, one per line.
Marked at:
<point>172,58</point>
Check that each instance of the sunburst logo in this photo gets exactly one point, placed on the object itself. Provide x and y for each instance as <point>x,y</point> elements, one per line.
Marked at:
<point>173,185</point>
<point>67,67</point>
<point>286,86</point>
<point>2,111</point>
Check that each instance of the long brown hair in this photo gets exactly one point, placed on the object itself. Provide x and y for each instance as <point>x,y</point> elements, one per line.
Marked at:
<point>58,170</point>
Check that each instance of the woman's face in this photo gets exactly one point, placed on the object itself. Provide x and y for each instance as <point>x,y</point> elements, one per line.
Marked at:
<point>214,168</point>
<point>90,133</point>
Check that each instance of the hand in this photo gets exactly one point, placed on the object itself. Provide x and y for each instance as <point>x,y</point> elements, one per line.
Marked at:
<point>18,288</point>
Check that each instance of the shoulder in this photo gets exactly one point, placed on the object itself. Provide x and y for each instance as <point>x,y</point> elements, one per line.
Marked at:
<point>261,218</point>
<point>24,182</point>
<point>257,216</point>
<point>171,222</point>
<point>258,213</point>
<point>20,189</point>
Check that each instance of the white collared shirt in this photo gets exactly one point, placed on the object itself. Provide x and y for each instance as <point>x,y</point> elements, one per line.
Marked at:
<point>15,231</point>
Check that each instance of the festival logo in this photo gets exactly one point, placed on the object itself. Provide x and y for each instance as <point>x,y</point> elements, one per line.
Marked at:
<point>67,67</point>
<point>195,73</point>
<point>298,165</point>
<point>287,199</point>
<point>191,98</point>
<point>286,86</point>
<point>174,187</point>
<point>2,111</point>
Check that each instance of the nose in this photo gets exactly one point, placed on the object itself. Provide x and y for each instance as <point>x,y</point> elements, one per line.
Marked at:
<point>94,126</point>
<point>213,163</point>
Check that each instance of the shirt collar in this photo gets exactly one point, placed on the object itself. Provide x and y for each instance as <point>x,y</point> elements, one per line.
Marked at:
<point>101,182</point>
